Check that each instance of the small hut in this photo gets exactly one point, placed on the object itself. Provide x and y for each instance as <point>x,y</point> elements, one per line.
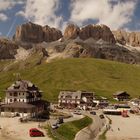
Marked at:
<point>121,96</point>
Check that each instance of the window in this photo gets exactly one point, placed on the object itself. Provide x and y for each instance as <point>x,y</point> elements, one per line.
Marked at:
<point>11,100</point>
<point>23,100</point>
<point>15,100</point>
<point>69,96</point>
<point>25,111</point>
<point>10,94</point>
<point>15,93</point>
<point>23,93</point>
<point>19,94</point>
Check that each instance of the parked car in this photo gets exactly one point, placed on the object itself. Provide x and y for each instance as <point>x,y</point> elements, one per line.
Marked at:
<point>59,107</point>
<point>60,120</point>
<point>95,108</point>
<point>34,132</point>
<point>93,112</point>
<point>101,116</point>
<point>132,111</point>
<point>55,126</point>
<point>77,112</point>
<point>23,120</point>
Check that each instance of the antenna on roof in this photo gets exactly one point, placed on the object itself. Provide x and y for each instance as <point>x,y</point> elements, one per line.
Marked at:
<point>17,76</point>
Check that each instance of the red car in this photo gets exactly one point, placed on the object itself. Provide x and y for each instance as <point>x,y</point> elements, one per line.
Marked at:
<point>34,132</point>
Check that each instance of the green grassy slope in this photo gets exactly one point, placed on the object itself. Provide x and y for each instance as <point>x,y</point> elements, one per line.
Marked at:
<point>103,77</point>
<point>70,129</point>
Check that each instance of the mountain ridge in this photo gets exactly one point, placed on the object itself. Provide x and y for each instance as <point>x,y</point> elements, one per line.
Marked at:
<point>96,41</point>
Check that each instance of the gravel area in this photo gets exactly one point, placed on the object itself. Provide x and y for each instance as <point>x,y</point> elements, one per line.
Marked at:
<point>124,128</point>
<point>12,129</point>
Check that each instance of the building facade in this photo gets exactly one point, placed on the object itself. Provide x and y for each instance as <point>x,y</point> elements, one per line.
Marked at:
<point>22,91</point>
<point>73,99</point>
<point>23,98</point>
<point>121,96</point>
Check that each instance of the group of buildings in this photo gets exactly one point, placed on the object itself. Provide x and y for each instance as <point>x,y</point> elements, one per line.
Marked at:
<point>24,98</point>
<point>85,99</point>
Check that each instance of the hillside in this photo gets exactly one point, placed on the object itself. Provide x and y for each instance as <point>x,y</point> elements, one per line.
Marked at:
<point>103,77</point>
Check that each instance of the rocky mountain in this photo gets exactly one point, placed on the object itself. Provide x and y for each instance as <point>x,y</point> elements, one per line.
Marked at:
<point>33,33</point>
<point>8,49</point>
<point>91,48</point>
<point>71,32</point>
<point>90,31</point>
<point>19,51</point>
<point>96,41</point>
<point>127,38</point>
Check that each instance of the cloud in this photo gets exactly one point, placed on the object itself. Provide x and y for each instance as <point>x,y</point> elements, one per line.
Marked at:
<point>20,13</point>
<point>43,12</point>
<point>114,13</point>
<point>7,5</point>
<point>3,17</point>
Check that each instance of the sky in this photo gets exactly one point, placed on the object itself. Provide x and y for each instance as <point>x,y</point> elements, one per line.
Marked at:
<point>117,14</point>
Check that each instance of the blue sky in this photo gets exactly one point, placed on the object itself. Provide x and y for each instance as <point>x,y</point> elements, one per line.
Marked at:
<point>117,14</point>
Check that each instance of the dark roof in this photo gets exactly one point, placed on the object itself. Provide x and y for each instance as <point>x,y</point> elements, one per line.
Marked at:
<point>23,86</point>
<point>121,92</point>
<point>18,105</point>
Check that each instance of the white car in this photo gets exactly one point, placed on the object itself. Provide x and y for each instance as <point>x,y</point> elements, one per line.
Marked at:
<point>77,112</point>
<point>54,126</point>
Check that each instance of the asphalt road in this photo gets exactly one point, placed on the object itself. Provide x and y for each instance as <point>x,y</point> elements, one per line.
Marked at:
<point>90,132</point>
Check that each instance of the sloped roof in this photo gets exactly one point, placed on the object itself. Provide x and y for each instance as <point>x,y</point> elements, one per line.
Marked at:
<point>120,92</point>
<point>72,93</point>
<point>21,85</point>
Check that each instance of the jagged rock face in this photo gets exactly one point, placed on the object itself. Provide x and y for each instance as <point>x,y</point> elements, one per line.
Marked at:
<point>8,49</point>
<point>134,39</point>
<point>86,32</point>
<point>121,36</point>
<point>71,31</point>
<point>97,32</point>
<point>129,38</point>
<point>51,34</point>
<point>83,49</point>
<point>40,49</point>
<point>90,31</point>
<point>29,32</point>
<point>34,33</point>
<point>116,53</point>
